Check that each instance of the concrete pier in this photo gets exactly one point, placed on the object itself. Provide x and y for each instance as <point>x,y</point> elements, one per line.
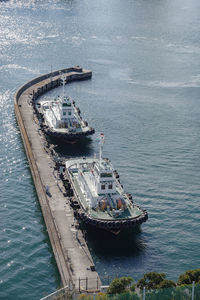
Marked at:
<point>72,256</point>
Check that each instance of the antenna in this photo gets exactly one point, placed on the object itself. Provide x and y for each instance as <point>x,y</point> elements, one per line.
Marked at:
<point>51,74</point>
<point>63,83</point>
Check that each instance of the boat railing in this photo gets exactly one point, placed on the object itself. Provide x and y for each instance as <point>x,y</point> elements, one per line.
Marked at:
<point>74,190</point>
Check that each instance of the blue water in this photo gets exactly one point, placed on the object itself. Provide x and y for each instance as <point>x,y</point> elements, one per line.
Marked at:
<point>144,95</point>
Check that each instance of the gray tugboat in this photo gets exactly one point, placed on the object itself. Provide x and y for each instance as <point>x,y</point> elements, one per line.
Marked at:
<point>97,195</point>
<point>61,119</point>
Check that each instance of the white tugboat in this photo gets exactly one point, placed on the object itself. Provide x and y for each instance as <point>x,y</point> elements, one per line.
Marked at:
<point>61,119</point>
<point>99,198</point>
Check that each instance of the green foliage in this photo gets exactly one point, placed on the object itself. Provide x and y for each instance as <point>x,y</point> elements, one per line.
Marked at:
<point>157,287</point>
<point>119,285</point>
<point>189,276</point>
<point>132,287</point>
<point>101,296</point>
<point>124,296</point>
<point>85,297</point>
<point>123,289</point>
<point>151,280</point>
<point>126,281</point>
<point>181,293</point>
<point>98,296</point>
<point>197,292</point>
<point>162,294</point>
<point>166,283</point>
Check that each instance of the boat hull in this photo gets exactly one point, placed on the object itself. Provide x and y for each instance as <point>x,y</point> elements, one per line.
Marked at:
<point>114,226</point>
<point>67,137</point>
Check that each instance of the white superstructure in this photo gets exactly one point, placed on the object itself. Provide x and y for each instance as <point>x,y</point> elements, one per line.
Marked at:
<point>62,116</point>
<point>98,184</point>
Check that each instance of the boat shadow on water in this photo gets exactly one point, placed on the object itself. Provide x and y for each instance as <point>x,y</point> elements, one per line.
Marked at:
<point>81,148</point>
<point>104,243</point>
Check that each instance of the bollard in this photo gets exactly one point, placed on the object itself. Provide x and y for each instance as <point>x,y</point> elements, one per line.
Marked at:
<point>86,283</point>
<point>97,283</point>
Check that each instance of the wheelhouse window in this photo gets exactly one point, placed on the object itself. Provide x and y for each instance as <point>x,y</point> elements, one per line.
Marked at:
<point>69,113</point>
<point>106,175</point>
<point>110,186</point>
<point>103,187</point>
<point>64,113</point>
<point>66,104</point>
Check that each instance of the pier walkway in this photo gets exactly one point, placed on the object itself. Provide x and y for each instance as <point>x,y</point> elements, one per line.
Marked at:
<point>72,256</point>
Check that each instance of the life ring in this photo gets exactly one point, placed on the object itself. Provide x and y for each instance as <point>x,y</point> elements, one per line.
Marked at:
<point>117,224</point>
<point>106,224</point>
<point>101,224</point>
<point>109,224</point>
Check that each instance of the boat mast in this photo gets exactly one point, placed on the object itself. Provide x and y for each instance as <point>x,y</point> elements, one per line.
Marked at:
<point>63,83</point>
<point>101,142</point>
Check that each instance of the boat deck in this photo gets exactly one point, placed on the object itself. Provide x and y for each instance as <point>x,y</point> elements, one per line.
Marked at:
<point>130,213</point>
<point>64,130</point>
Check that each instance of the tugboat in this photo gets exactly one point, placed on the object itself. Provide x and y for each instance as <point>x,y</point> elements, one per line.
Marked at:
<point>60,118</point>
<point>97,195</point>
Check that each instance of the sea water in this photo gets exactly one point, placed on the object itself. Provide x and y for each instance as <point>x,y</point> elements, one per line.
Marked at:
<point>144,96</point>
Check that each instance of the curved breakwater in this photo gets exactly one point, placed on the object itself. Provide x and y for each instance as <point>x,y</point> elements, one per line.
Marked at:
<point>57,213</point>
